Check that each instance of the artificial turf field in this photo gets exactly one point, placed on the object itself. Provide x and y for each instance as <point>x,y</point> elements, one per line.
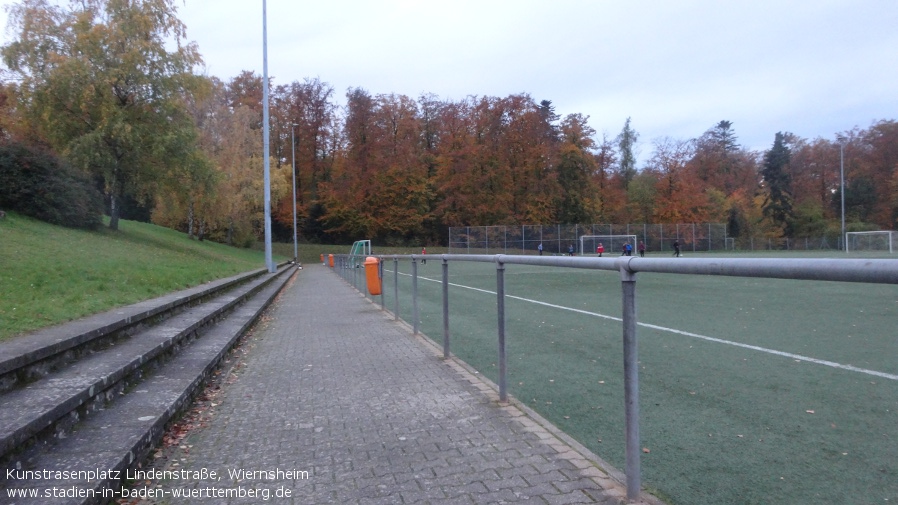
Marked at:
<point>721,423</point>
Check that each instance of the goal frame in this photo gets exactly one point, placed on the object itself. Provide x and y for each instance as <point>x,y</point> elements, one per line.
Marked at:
<point>890,234</point>
<point>614,243</point>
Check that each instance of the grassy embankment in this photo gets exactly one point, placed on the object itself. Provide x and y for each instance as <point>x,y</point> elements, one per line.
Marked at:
<point>50,274</point>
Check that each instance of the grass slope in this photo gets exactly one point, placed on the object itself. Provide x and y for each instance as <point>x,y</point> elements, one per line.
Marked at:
<point>50,274</point>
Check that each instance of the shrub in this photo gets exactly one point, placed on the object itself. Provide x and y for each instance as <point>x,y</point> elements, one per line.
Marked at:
<point>37,184</point>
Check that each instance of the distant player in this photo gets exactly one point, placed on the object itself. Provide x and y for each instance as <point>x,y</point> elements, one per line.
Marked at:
<point>642,249</point>
<point>676,245</point>
<point>424,253</point>
<point>600,249</point>
<point>570,250</point>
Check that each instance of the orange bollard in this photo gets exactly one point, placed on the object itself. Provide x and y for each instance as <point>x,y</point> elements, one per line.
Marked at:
<point>330,260</point>
<point>322,258</point>
<point>372,275</point>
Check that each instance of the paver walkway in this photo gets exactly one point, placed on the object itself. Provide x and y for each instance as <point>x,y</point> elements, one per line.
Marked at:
<point>336,389</point>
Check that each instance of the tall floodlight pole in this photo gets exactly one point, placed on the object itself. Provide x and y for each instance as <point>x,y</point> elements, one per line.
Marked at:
<point>265,136</point>
<point>842,190</point>
<point>293,157</point>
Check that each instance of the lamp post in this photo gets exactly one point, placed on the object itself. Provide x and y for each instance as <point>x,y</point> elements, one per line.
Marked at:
<point>842,186</point>
<point>265,136</point>
<point>293,157</point>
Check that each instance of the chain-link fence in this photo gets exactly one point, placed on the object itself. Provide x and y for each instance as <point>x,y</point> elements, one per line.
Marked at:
<point>558,238</point>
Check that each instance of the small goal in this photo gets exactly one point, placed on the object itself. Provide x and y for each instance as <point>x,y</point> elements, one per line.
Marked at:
<point>856,241</point>
<point>612,243</point>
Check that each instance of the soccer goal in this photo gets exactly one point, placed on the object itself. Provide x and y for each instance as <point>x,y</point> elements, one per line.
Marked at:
<point>360,250</point>
<point>611,243</point>
<point>870,241</point>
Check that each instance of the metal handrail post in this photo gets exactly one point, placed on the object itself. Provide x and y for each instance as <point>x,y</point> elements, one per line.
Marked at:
<point>631,378</point>
<point>415,295</point>
<point>396,288</point>
<point>500,309</point>
<point>445,308</point>
<point>380,275</point>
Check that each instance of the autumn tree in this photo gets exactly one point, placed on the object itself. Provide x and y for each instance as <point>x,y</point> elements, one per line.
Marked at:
<point>609,195</point>
<point>379,189</point>
<point>575,168</point>
<point>681,198</point>
<point>526,155</point>
<point>306,117</point>
<point>715,158</point>
<point>875,173</point>
<point>103,81</point>
<point>458,181</point>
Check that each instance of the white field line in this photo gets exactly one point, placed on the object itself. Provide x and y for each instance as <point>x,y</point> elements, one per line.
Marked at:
<point>823,362</point>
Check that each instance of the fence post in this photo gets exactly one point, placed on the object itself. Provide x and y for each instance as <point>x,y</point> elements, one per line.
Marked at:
<point>380,275</point>
<point>396,288</point>
<point>693,237</point>
<point>631,379</point>
<point>415,294</point>
<point>500,304</point>
<point>445,308</point>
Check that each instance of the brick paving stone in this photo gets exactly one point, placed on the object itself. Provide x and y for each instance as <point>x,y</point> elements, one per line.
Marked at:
<point>335,387</point>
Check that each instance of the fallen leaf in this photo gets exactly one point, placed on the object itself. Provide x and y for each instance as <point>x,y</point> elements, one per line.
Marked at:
<point>646,450</point>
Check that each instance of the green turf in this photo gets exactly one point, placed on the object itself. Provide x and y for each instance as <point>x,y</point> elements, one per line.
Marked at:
<point>722,424</point>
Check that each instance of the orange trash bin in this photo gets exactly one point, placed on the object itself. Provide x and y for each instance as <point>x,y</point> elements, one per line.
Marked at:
<point>330,260</point>
<point>372,275</point>
<point>322,258</point>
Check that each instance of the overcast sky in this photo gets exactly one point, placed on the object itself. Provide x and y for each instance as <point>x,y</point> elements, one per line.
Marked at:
<point>676,67</point>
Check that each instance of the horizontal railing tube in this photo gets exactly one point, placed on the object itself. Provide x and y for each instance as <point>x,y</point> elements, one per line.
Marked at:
<point>878,271</point>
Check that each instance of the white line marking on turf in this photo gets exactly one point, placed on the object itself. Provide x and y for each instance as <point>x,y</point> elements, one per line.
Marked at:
<point>686,333</point>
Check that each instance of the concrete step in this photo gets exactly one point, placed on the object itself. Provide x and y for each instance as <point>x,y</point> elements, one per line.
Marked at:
<point>49,406</point>
<point>25,359</point>
<point>126,418</point>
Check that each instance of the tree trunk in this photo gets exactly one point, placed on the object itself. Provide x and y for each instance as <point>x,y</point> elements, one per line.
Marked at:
<point>190,221</point>
<point>113,212</point>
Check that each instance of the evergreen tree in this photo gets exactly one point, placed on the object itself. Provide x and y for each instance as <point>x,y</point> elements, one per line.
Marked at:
<point>626,143</point>
<point>724,137</point>
<point>776,179</point>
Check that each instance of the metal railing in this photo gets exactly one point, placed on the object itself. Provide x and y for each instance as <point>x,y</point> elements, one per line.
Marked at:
<point>878,271</point>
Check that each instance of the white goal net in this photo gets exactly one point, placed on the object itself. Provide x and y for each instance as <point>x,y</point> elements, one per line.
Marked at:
<point>611,243</point>
<point>870,241</point>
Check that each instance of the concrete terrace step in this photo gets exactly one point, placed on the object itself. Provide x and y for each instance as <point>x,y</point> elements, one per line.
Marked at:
<point>55,402</point>
<point>124,423</point>
<point>24,359</point>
